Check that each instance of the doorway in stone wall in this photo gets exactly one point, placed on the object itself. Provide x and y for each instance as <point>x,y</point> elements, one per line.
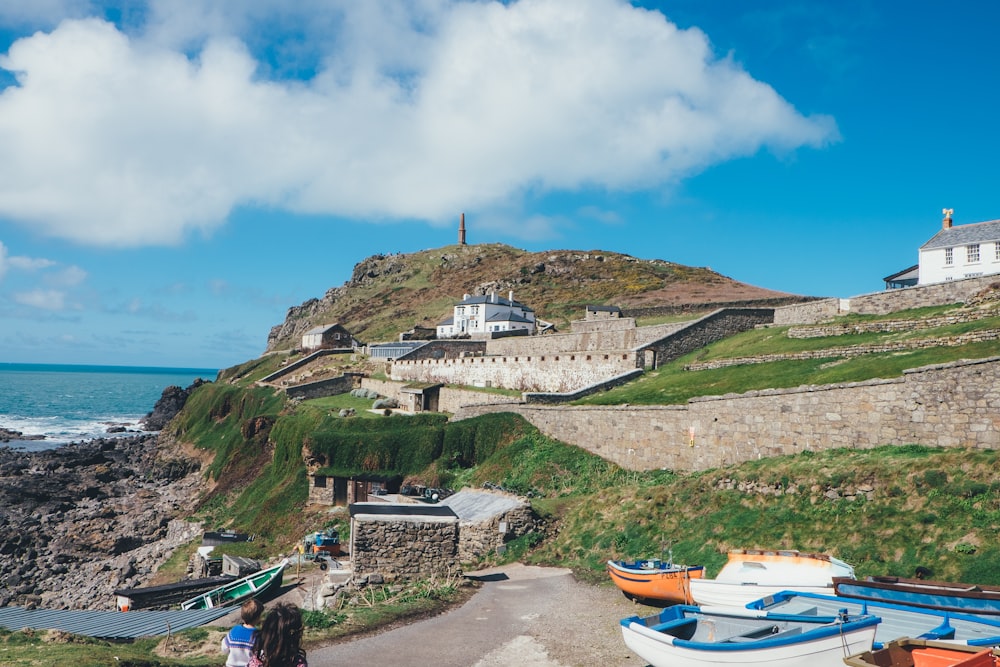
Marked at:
<point>649,359</point>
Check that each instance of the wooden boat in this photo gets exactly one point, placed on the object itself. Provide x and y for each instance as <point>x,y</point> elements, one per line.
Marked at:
<point>968,598</point>
<point>130,599</point>
<point>690,636</point>
<point>653,581</point>
<point>751,574</point>
<point>235,592</point>
<point>923,653</point>
<point>897,620</point>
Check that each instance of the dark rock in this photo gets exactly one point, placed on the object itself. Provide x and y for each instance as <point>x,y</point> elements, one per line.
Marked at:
<point>170,403</point>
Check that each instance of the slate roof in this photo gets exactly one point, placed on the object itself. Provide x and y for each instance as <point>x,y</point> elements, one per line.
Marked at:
<point>489,298</point>
<point>477,506</point>
<point>604,309</point>
<point>507,317</point>
<point>959,235</point>
<point>910,273</point>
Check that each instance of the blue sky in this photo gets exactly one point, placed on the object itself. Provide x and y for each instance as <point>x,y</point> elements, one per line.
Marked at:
<point>176,174</point>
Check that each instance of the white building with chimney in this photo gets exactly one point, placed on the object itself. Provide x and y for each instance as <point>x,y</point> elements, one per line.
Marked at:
<point>480,316</point>
<point>963,251</point>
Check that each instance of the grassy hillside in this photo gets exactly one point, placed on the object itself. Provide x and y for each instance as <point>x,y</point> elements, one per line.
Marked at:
<point>388,294</point>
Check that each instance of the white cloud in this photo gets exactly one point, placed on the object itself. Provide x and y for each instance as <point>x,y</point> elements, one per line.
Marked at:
<point>416,111</point>
<point>43,299</point>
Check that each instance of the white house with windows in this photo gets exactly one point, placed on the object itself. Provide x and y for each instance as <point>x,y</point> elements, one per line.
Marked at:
<point>962,251</point>
<point>479,316</point>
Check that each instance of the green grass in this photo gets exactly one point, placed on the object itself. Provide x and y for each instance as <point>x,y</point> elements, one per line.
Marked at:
<point>671,384</point>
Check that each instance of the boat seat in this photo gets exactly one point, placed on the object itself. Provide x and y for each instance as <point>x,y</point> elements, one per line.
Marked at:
<point>764,633</point>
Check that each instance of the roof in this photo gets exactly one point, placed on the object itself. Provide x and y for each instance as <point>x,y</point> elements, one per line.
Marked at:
<point>959,235</point>
<point>906,274</point>
<point>604,309</point>
<point>403,510</point>
<point>479,505</point>
<point>409,345</point>
<point>507,317</point>
<point>110,624</point>
<point>447,322</point>
<point>323,328</point>
<point>493,299</point>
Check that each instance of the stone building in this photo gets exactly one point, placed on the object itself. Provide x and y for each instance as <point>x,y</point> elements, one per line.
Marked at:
<point>328,336</point>
<point>403,542</point>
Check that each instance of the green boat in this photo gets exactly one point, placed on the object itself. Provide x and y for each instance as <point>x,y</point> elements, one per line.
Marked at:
<point>238,591</point>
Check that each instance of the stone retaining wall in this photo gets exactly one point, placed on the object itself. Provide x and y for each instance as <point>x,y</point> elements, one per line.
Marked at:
<point>948,405</point>
<point>711,328</point>
<point>852,351</point>
<point>481,539</point>
<point>321,388</point>
<point>544,372</point>
<point>881,326</point>
<point>404,548</point>
<point>938,294</point>
<point>809,313</point>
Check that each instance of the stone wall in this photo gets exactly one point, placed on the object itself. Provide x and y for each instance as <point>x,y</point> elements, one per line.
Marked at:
<point>404,548</point>
<point>708,329</point>
<point>947,405</point>
<point>808,313</point>
<point>853,350</point>
<point>939,294</point>
<point>535,372</point>
<point>330,387</point>
<point>450,399</point>
<point>480,539</point>
<point>447,349</point>
<point>606,335</point>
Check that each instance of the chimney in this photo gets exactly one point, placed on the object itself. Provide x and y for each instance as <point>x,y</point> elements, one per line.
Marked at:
<point>461,231</point>
<point>510,296</point>
<point>946,222</point>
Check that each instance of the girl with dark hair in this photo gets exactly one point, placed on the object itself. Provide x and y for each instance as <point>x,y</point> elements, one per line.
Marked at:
<point>279,641</point>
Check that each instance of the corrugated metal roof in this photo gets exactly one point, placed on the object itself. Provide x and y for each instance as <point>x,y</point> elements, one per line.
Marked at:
<point>109,624</point>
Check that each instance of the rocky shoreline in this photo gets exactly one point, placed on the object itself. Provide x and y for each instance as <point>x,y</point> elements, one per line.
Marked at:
<point>82,520</point>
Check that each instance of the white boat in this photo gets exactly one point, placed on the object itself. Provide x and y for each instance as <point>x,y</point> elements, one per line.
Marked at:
<point>689,636</point>
<point>898,620</point>
<point>751,574</point>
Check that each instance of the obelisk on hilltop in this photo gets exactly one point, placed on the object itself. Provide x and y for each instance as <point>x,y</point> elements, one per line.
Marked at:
<point>461,231</point>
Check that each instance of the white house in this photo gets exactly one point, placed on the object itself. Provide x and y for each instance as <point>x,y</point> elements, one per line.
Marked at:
<point>963,251</point>
<point>483,315</point>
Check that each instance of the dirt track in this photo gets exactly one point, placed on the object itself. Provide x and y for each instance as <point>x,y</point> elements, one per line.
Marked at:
<point>523,615</point>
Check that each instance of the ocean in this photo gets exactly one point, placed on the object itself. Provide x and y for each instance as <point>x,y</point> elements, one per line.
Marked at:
<point>71,403</point>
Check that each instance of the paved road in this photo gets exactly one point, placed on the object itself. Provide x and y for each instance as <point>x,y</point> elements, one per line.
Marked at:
<point>523,615</point>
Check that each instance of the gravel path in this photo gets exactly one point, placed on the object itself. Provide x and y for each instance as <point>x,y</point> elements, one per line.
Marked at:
<point>523,615</point>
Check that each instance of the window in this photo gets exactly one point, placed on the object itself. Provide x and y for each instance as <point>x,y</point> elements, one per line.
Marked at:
<point>996,251</point>
<point>972,253</point>
<point>948,256</point>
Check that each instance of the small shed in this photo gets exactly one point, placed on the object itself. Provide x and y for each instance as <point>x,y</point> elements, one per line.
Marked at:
<point>328,336</point>
<point>420,396</point>
<point>602,313</point>
<point>403,542</point>
<point>488,520</point>
<point>328,487</point>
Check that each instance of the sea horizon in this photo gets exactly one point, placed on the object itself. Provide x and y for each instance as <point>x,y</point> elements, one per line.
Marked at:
<point>68,403</point>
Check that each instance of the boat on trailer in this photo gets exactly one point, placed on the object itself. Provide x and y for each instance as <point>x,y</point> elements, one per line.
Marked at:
<point>751,574</point>
<point>654,581</point>
<point>897,620</point>
<point>691,636</point>
<point>908,652</point>
<point>968,598</point>
<point>238,591</point>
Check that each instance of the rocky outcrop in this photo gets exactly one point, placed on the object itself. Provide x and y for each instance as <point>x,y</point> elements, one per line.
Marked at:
<point>170,403</point>
<point>82,520</point>
<point>6,435</point>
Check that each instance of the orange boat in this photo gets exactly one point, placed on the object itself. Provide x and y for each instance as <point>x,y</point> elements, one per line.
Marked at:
<point>926,653</point>
<point>654,582</point>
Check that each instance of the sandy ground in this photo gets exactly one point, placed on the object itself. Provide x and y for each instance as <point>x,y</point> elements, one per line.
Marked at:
<point>521,615</point>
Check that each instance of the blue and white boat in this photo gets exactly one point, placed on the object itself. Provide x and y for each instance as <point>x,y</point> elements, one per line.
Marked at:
<point>689,636</point>
<point>967,598</point>
<point>897,620</point>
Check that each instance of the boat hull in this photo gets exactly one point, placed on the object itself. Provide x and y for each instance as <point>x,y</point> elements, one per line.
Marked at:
<point>654,582</point>
<point>897,620</point>
<point>711,593</point>
<point>967,598</point>
<point>797,643</point>
<point>256,585</point>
